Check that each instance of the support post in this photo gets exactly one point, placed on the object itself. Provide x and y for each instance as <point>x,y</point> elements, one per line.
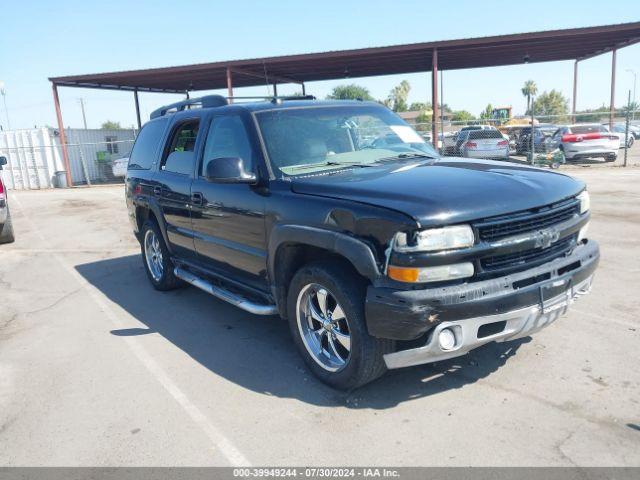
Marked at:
<point>434,97</point>
<point>229,85</point>
<point>63,137</point>
<point>275,89</point>
<point>304,92</point>
<point>612,106</point>
<point>135,98</point>
<point>575,91</point>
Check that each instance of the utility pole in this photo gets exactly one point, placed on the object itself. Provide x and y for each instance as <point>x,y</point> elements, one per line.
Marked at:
<point>84,117</point>
<point>3,92</point>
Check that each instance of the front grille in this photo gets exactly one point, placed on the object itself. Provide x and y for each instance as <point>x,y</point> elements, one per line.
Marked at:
<point>507,225</point>
<point>530,258</point>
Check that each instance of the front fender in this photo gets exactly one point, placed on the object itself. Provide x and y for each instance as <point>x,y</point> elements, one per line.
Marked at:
<point>354,250</point>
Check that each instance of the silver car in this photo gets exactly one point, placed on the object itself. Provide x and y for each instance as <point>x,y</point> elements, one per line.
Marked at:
<point>588,140</point>
<point>485,143</point>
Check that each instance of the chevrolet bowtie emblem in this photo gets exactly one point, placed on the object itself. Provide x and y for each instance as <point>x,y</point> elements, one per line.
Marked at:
<point>545,238</point>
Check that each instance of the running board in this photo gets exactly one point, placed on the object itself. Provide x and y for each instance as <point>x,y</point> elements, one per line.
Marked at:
<point>222,294</point>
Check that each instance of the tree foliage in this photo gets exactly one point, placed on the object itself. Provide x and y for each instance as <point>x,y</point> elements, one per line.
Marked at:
<point>462,116</point>
<point>529,89</point>
<point>550,103</point>
<point>351,91</point>
<point>420,106</point>
<point>397,99</point>
<point>487,113</point>
<point>111,125</point>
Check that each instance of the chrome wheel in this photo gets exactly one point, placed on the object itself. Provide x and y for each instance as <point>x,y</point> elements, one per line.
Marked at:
<point>323,327</point>
<point>153,255</point>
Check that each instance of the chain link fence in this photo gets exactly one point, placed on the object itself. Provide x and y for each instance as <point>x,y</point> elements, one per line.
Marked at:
<point>581,138</point>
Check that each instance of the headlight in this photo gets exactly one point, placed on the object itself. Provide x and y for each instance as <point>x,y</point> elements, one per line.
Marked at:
<point>446,238</point>
<point>585,201</point>
<point>440,273</point>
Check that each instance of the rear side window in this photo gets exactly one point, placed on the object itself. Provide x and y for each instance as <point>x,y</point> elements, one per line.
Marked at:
<point>180,156</point>
<point>582,129</point>
<point>481,134</point>
<point>146,146</point>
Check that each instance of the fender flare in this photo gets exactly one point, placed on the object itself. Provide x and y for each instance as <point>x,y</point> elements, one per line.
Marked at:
<point>152,205</point>
<point>352,249</point>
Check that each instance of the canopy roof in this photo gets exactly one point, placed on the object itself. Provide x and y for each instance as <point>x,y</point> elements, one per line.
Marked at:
<point>546,46</point>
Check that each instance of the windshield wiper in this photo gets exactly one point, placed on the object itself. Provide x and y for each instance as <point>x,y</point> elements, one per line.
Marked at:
<point>402,156</point>
<point>328,163</point>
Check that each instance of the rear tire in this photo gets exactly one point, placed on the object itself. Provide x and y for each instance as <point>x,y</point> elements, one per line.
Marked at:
<point>611,158</point>
<point>319,331</point>
<point>156,258</point>
<point>6,234</point>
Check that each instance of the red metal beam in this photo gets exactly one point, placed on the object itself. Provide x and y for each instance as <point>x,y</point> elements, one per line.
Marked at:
<point>229,85</point>
<point>63,137</point>
<point>434,97</point>
<point>135,98</point>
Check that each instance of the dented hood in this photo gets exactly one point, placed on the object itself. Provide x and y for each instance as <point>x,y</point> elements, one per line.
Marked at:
<point>445,191</point>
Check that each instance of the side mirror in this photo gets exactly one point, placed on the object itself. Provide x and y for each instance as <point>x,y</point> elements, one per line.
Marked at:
<point>229,170</point>
<point>3,161</point>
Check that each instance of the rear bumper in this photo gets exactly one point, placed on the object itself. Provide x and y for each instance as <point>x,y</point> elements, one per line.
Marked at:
<point>573,152</point>
<point>413,314</point>
<point>501,153</point>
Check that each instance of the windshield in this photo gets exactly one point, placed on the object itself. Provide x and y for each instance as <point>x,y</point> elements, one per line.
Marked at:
<point>302,140</point>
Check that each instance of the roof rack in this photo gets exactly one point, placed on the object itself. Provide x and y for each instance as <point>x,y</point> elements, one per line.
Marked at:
<point>207,101</point>
<point>210,101</point>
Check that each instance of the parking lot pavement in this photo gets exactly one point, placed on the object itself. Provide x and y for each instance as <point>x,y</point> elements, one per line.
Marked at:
<point>97,368</point>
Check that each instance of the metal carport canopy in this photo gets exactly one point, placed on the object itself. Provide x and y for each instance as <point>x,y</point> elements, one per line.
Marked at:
<point>545,46</point>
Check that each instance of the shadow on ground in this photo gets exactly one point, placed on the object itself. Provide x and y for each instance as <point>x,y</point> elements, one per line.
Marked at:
<point>257,352</point>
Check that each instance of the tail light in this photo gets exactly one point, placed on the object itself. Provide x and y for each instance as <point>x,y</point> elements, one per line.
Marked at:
<point>503,143</point>
<point>573,137</point>
<point>1,188</point>
<point>471,145</point>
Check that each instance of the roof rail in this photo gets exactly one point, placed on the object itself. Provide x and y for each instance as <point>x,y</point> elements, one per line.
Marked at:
<point>211,101</point>
<point>207,101</point>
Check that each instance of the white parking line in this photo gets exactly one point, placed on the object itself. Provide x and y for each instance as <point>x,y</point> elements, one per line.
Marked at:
<point>219,440</point>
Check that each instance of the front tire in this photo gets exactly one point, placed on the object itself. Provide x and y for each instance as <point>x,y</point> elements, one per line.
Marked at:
<point>325,307</point>
<point>156,258</point>
<point>6,233</point>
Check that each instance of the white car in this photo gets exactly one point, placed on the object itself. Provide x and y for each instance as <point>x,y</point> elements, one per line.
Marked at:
<point>589,140</point>
<point>485,143</point>
<point>119,166</point>
<point>619,130</point>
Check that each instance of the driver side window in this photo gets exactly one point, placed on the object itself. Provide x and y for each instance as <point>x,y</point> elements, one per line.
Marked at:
<point>227,137</point>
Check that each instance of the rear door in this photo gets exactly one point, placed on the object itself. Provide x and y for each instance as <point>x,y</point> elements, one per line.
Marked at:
<point>173,183</point>
<point>228,219</point>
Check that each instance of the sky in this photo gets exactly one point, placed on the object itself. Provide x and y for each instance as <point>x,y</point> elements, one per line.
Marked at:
<point>41,39</point>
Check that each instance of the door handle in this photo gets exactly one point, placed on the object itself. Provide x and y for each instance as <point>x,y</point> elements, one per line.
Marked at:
<point>157,191</point>
<point>196,198</point>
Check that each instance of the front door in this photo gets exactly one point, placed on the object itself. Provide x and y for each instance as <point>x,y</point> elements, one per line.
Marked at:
<point>173,185</point>
<point>228,219</point>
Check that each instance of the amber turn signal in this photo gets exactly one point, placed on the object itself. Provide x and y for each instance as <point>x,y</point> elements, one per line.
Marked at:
<point>403,274</point>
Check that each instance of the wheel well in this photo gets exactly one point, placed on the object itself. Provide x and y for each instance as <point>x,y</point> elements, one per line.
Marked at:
<point>290,258</point>
<point>142,215</point>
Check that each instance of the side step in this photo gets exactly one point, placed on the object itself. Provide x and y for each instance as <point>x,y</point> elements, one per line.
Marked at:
<point>222,294</point>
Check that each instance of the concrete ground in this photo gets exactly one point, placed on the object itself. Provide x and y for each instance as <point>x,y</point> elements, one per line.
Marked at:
<point>97,368</point>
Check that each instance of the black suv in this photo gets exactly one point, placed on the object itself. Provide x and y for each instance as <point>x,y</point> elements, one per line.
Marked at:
<point>338,217</point>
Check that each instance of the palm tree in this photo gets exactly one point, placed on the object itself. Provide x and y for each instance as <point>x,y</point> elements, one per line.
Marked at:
<point>528,90</point>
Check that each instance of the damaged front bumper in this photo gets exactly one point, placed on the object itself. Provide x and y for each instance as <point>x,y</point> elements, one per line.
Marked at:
<point>499,309</point>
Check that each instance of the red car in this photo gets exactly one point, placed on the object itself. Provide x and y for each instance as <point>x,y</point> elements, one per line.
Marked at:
<point>6,229</point>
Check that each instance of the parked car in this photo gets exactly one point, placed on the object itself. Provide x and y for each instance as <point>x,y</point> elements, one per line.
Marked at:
<point>585,141</point>
<point>119,166</point>
<point>379,256</point>
<point>620,131</point>
<point>633,129</point>
<point>540,135</point>
<point>6,227</point>
<point>485,143</point>
<point>463,135</point>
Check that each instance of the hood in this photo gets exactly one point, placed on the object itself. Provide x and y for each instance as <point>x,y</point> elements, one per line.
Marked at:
<point>446,191</point>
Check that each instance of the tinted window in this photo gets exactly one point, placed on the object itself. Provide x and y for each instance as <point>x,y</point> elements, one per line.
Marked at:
<point>145,148</point>
<point>582,129</point>
<point>227,137</point>
<point>480,134</point>
<point>180,155</point>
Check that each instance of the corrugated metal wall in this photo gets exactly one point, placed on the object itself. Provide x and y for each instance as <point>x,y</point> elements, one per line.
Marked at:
<point>32,158</point>
<point>35,155</point>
